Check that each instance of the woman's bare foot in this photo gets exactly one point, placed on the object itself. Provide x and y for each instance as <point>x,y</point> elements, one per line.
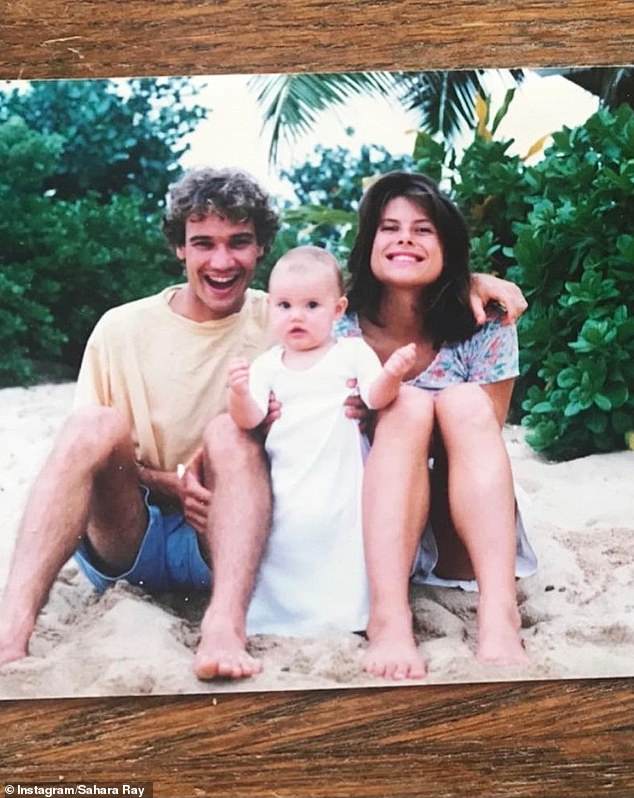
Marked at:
<point>222,653</point>
<point>392,652</point>
<point>499,641</point>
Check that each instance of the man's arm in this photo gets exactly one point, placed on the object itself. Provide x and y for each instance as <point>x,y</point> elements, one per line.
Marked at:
<point>164,483</point>
<point>486,288</point>
<point>386,386</point>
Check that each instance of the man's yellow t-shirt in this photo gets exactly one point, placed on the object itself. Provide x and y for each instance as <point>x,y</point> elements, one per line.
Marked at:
<point>166,373</point>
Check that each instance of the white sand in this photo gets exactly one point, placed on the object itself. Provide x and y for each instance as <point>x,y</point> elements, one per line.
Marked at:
<point>578,610</point>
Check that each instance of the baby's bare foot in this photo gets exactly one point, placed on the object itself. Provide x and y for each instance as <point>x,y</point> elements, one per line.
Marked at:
<point>392,652</point>
<point>499,641</point>
<point>222,653</point>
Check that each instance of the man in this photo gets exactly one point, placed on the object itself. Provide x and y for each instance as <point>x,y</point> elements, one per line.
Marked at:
<point>150,398</point>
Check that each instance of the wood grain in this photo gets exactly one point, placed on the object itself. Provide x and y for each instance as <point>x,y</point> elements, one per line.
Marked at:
<point>536,739</point>
<point>52,38</point>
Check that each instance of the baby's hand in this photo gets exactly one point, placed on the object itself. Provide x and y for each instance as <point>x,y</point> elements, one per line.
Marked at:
<point>401,361</point>
<point>239,376</point>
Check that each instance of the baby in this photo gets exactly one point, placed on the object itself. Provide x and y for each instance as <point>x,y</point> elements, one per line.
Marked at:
<point>312,577</point>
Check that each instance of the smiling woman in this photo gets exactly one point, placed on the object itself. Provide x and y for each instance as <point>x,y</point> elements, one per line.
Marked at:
<point>407,216</point>
<point>410,282</point>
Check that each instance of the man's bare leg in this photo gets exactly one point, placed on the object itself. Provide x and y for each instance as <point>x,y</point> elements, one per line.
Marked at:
<point>395,507</point>
<point>483,511</point>
<point>239,524</point>
<point>88,482</point>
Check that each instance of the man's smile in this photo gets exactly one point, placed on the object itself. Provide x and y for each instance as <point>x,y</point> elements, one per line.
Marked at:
<point>222,282</point>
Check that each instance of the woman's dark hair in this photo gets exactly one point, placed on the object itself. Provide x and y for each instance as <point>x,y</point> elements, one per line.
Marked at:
<point>444,308</point>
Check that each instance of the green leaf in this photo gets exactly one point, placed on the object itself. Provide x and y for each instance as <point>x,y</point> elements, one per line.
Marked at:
<point>425,147</point>
<point>573,408</point>
<point>597,423</point>
<point>568,378</point>
<point>622,422</point>
<point>617,395</point>
<point>602,402</point>
<point>542,407</point>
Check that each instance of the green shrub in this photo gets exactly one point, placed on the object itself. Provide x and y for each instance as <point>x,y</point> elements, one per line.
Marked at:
<point>85,167</point>
<point>27,158</point>
<point>63,263</point>
<point>116,139</point>
<point>575,263</point>
<point>328,189</point>
<point>327,192</point>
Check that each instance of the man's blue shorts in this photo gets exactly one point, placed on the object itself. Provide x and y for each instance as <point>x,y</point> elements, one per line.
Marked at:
<point>169,557</point>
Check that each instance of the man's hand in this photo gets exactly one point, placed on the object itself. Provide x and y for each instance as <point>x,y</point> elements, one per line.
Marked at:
<point>194,496</point>
<point>401,361</point>
<point>273,413</point>
<point>356,408</point>
<point>239,376</point>
<point>486,288</point>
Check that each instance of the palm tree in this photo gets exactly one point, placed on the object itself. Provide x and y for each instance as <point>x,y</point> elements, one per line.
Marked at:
<point>444,100</point>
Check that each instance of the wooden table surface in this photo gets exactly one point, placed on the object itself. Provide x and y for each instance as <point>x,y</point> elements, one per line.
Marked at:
<point>534,739</point>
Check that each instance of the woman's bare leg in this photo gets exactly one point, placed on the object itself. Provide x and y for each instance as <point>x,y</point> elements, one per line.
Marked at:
<point>395,507</point>
<point>483,510</point>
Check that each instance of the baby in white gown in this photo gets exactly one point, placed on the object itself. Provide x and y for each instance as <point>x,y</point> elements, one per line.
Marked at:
<point>312,577</point>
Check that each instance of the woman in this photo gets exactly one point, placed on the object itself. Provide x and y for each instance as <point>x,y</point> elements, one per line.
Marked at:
<point>410,283</point>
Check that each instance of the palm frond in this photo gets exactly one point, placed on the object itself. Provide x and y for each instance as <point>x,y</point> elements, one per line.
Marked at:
<point>292,103</point>
<point>444,100</point>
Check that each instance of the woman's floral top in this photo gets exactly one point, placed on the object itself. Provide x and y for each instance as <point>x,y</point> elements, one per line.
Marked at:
<point>490,355</point>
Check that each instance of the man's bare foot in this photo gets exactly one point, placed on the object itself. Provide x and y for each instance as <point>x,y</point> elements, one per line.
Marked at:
<point>392,652</point>
<point>11,651</point>
<point>15,633</point>
<point>499,641</point>
<point>222,653</point>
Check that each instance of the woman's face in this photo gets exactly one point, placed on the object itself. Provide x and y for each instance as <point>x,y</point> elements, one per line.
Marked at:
<point>407,252</point>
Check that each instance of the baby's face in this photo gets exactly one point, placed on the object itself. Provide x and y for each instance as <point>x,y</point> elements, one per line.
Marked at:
<point>303,308</point>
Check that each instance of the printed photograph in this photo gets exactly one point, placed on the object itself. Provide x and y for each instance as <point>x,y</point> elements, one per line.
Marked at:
<point>316,381</point>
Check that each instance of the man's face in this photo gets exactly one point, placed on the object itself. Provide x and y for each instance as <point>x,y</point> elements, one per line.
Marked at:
<point>220,258</point>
